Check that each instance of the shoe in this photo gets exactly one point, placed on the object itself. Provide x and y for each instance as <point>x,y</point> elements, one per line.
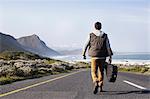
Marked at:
<point>95,87</point>
<point>101,89</point>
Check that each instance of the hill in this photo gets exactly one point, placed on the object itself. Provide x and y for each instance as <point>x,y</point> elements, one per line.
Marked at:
<point>9,43</point>
<point>34,44</point>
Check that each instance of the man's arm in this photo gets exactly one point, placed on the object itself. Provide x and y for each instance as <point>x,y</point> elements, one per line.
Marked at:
<point>110,53</point>
<point>85,47</point>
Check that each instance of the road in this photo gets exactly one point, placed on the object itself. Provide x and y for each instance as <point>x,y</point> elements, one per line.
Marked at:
<point>78,85</point>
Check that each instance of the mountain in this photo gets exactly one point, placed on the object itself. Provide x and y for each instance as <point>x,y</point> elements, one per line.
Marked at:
<point>34,44</point>
<point>9,43</point>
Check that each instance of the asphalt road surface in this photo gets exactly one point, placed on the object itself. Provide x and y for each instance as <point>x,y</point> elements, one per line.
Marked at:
<point>78,85</point>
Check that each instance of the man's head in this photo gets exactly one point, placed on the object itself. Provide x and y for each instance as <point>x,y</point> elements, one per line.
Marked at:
<point>98,25</point>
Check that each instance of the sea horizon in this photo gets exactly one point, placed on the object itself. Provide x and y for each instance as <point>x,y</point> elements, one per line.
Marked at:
<point>135,57</point>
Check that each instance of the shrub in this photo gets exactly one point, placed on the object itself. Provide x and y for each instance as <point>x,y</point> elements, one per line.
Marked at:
<point>83,65</point>
<point>57,69</point>
<point>10,55</point>
<point>69,67</point>
<point>145,69</point>
<point>49,61</point>
<point>135,69</point>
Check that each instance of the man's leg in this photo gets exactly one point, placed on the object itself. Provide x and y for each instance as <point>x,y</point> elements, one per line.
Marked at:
<point>101,72</point>
<point>94,69</point>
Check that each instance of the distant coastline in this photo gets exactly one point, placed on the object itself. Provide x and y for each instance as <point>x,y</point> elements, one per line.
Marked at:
<point>140,58</point>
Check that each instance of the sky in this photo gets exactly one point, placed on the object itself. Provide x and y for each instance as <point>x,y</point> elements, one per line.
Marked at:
<point>65,24</point>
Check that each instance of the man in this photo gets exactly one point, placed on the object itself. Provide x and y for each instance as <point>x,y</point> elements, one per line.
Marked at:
<point>98,49</point>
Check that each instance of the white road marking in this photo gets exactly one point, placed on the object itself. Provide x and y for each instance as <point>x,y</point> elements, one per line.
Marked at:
<point>135,85</point>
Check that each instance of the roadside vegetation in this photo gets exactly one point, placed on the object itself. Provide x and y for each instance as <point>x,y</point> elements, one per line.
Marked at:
<point>16,66</point>
<point>143,69</point>
<point>82,65</point>
<point>12,55</point>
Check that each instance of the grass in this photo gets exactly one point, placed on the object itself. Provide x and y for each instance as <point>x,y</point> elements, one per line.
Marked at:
<point>136,69</point>
<point>50,61</point>
<point>9,79</point>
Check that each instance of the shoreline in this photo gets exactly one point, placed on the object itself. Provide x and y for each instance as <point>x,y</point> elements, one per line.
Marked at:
<point>124,61</point>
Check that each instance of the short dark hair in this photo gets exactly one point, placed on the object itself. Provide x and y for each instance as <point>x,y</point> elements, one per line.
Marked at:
<point>98,25</point>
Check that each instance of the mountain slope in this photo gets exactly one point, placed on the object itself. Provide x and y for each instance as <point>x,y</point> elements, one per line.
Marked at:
<point>34,44</point>
<point>9,43</point>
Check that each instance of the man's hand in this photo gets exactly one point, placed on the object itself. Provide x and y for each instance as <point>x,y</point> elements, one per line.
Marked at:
<point>110,60</point>
<point>84,57</point>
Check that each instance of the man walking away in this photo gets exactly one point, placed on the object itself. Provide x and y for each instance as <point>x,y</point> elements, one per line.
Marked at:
<point>98,49</point>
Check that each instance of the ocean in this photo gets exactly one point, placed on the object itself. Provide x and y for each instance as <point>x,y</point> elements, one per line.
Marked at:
<point>123,57</point>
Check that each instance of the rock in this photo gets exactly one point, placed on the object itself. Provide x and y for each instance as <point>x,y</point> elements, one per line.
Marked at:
<point>19,64</point>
